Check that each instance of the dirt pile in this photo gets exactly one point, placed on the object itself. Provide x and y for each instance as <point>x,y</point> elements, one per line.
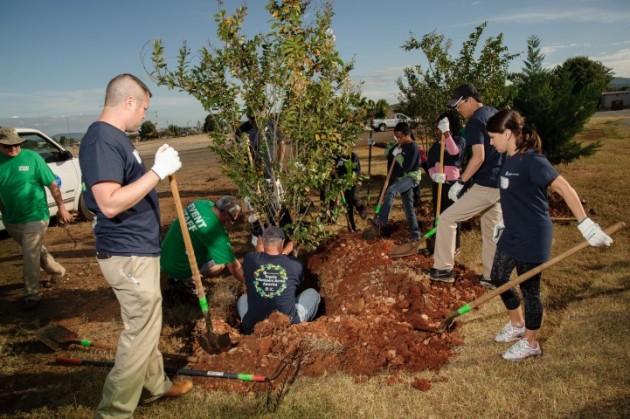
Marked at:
<point>373,308</point>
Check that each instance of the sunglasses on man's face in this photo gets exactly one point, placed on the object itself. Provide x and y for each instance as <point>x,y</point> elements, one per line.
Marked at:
<point>7,146</point>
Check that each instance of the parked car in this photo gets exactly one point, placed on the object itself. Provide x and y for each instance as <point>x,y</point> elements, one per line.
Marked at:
<point>383,124</point>
<point>65,167</point>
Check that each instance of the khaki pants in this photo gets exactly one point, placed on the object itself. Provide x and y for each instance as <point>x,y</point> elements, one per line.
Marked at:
<point>136,283</point>
<point>30,236</point>
<point>478,199</point>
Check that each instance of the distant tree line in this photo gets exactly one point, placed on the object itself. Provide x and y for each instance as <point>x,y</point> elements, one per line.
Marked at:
<point>149,131</point>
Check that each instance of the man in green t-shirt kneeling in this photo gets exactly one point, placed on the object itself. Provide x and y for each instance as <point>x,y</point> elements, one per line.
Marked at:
<point>207,223</point>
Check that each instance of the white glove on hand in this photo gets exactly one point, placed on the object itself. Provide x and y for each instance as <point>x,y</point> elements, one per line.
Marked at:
<point>397,151</point>
<point>166,161</point>
<point>593,233</point>
<point>443,125</point>
<point>456,190</point>
<point>438,177</point>
<point>498,230</point>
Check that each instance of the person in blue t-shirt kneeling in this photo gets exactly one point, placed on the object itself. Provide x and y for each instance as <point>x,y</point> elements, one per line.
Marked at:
<point>272,280</point>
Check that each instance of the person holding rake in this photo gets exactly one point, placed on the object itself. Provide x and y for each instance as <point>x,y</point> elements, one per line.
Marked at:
<point>524,240</point>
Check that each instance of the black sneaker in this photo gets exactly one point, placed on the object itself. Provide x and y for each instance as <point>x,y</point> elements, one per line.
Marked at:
<point>486,283</point>
<point>442,275</point>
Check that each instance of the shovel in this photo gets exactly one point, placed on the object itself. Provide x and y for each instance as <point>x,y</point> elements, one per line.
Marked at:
<point>382,196</point>
<point>447,323</point>
<point>211,342</point>
<point>172,370</point>
<point>56,335</point>
<point>409,249</point>
<point>371,233</point>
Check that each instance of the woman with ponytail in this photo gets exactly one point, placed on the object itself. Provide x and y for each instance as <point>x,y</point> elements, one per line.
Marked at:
<point>524,241</point>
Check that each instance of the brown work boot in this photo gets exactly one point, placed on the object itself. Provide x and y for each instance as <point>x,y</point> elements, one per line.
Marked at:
<point>179,388</point>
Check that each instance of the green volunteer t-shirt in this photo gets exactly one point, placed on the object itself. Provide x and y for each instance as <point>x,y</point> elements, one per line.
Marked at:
<point>208,236</point>
<point>22,182</point>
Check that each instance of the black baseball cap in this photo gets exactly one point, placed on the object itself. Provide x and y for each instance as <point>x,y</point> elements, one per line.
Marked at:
<point>461,93</point>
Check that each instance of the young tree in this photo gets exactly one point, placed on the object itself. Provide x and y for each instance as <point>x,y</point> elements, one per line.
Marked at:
<point>558,103</point>
<point>424,92</point>
<point>291,78</point>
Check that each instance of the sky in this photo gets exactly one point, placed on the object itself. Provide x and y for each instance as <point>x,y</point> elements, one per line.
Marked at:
<point>58,56</point>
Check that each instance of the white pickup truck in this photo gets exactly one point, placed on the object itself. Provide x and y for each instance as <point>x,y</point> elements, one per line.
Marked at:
<point>383,124</point>
<point>66,170</point>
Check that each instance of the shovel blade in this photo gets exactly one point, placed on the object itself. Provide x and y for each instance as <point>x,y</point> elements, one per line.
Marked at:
<point>406,249</point>
<point>213,343</point>
<point>56,336</point>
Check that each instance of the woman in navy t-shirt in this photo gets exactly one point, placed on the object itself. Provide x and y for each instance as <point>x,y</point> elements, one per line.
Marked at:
<point>525,241</point>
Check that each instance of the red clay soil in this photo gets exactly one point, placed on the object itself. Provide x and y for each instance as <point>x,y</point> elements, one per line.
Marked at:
<point>374,307</point>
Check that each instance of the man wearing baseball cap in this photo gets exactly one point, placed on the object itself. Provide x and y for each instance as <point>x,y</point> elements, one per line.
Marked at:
<point>207,224</point>
<point>272,280</point>
<point>481,176</point>
<point>23,176</point>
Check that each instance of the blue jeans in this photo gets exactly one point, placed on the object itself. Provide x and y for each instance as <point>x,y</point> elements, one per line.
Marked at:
<point>403,186</point>
<point>306,305</point>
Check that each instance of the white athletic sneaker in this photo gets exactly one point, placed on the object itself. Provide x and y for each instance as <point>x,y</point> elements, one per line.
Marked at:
<point>521,350</point>
<point>510,333</point>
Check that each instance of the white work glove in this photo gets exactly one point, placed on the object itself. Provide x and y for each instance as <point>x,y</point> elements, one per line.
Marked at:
<point>397,151</point>
<point>593,233</point>
<point>498,230</point>
<point>443,125</point>
<point>166,161</point>
<point>456,190</point>
<point>438,177</point>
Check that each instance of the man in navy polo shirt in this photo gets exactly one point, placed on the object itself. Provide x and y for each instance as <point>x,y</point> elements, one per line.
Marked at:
<point>121,192</point>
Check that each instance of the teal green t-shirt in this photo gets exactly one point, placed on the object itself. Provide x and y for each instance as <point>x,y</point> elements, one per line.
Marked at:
<point>208,236</point>
<point>22,182</point>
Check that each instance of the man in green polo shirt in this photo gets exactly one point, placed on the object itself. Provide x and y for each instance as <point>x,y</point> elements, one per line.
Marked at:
<point>207,223</point>
<point>23,176</point>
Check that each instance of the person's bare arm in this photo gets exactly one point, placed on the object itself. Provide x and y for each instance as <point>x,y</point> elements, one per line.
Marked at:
<point>236,269</point>
<point>62,214</point>
<point>288,248</point>
<point>113,199</point>
<point>475,162</point>
<point>566,191</point>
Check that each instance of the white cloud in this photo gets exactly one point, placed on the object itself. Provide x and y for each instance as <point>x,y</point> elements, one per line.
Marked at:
<point>550,49</point>
<point>618,61</point>
<point>380,83</point>
<point>566,16</point>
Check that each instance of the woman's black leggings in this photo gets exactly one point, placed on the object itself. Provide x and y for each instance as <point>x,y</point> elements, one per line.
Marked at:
<point>502,268</point>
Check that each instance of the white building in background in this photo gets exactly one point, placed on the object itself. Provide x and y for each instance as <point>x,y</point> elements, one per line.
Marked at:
<point>615,101</point>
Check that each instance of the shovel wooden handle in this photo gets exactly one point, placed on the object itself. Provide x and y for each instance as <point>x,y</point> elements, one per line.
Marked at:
<point>382,196</point>
<point>201,293</point>
<point>438,206</point>
<point>86,343</point>
<point>524,277</point>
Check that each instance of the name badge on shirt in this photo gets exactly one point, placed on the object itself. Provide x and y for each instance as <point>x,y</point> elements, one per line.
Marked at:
<point>505,182</point>
<point>138,158</point>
